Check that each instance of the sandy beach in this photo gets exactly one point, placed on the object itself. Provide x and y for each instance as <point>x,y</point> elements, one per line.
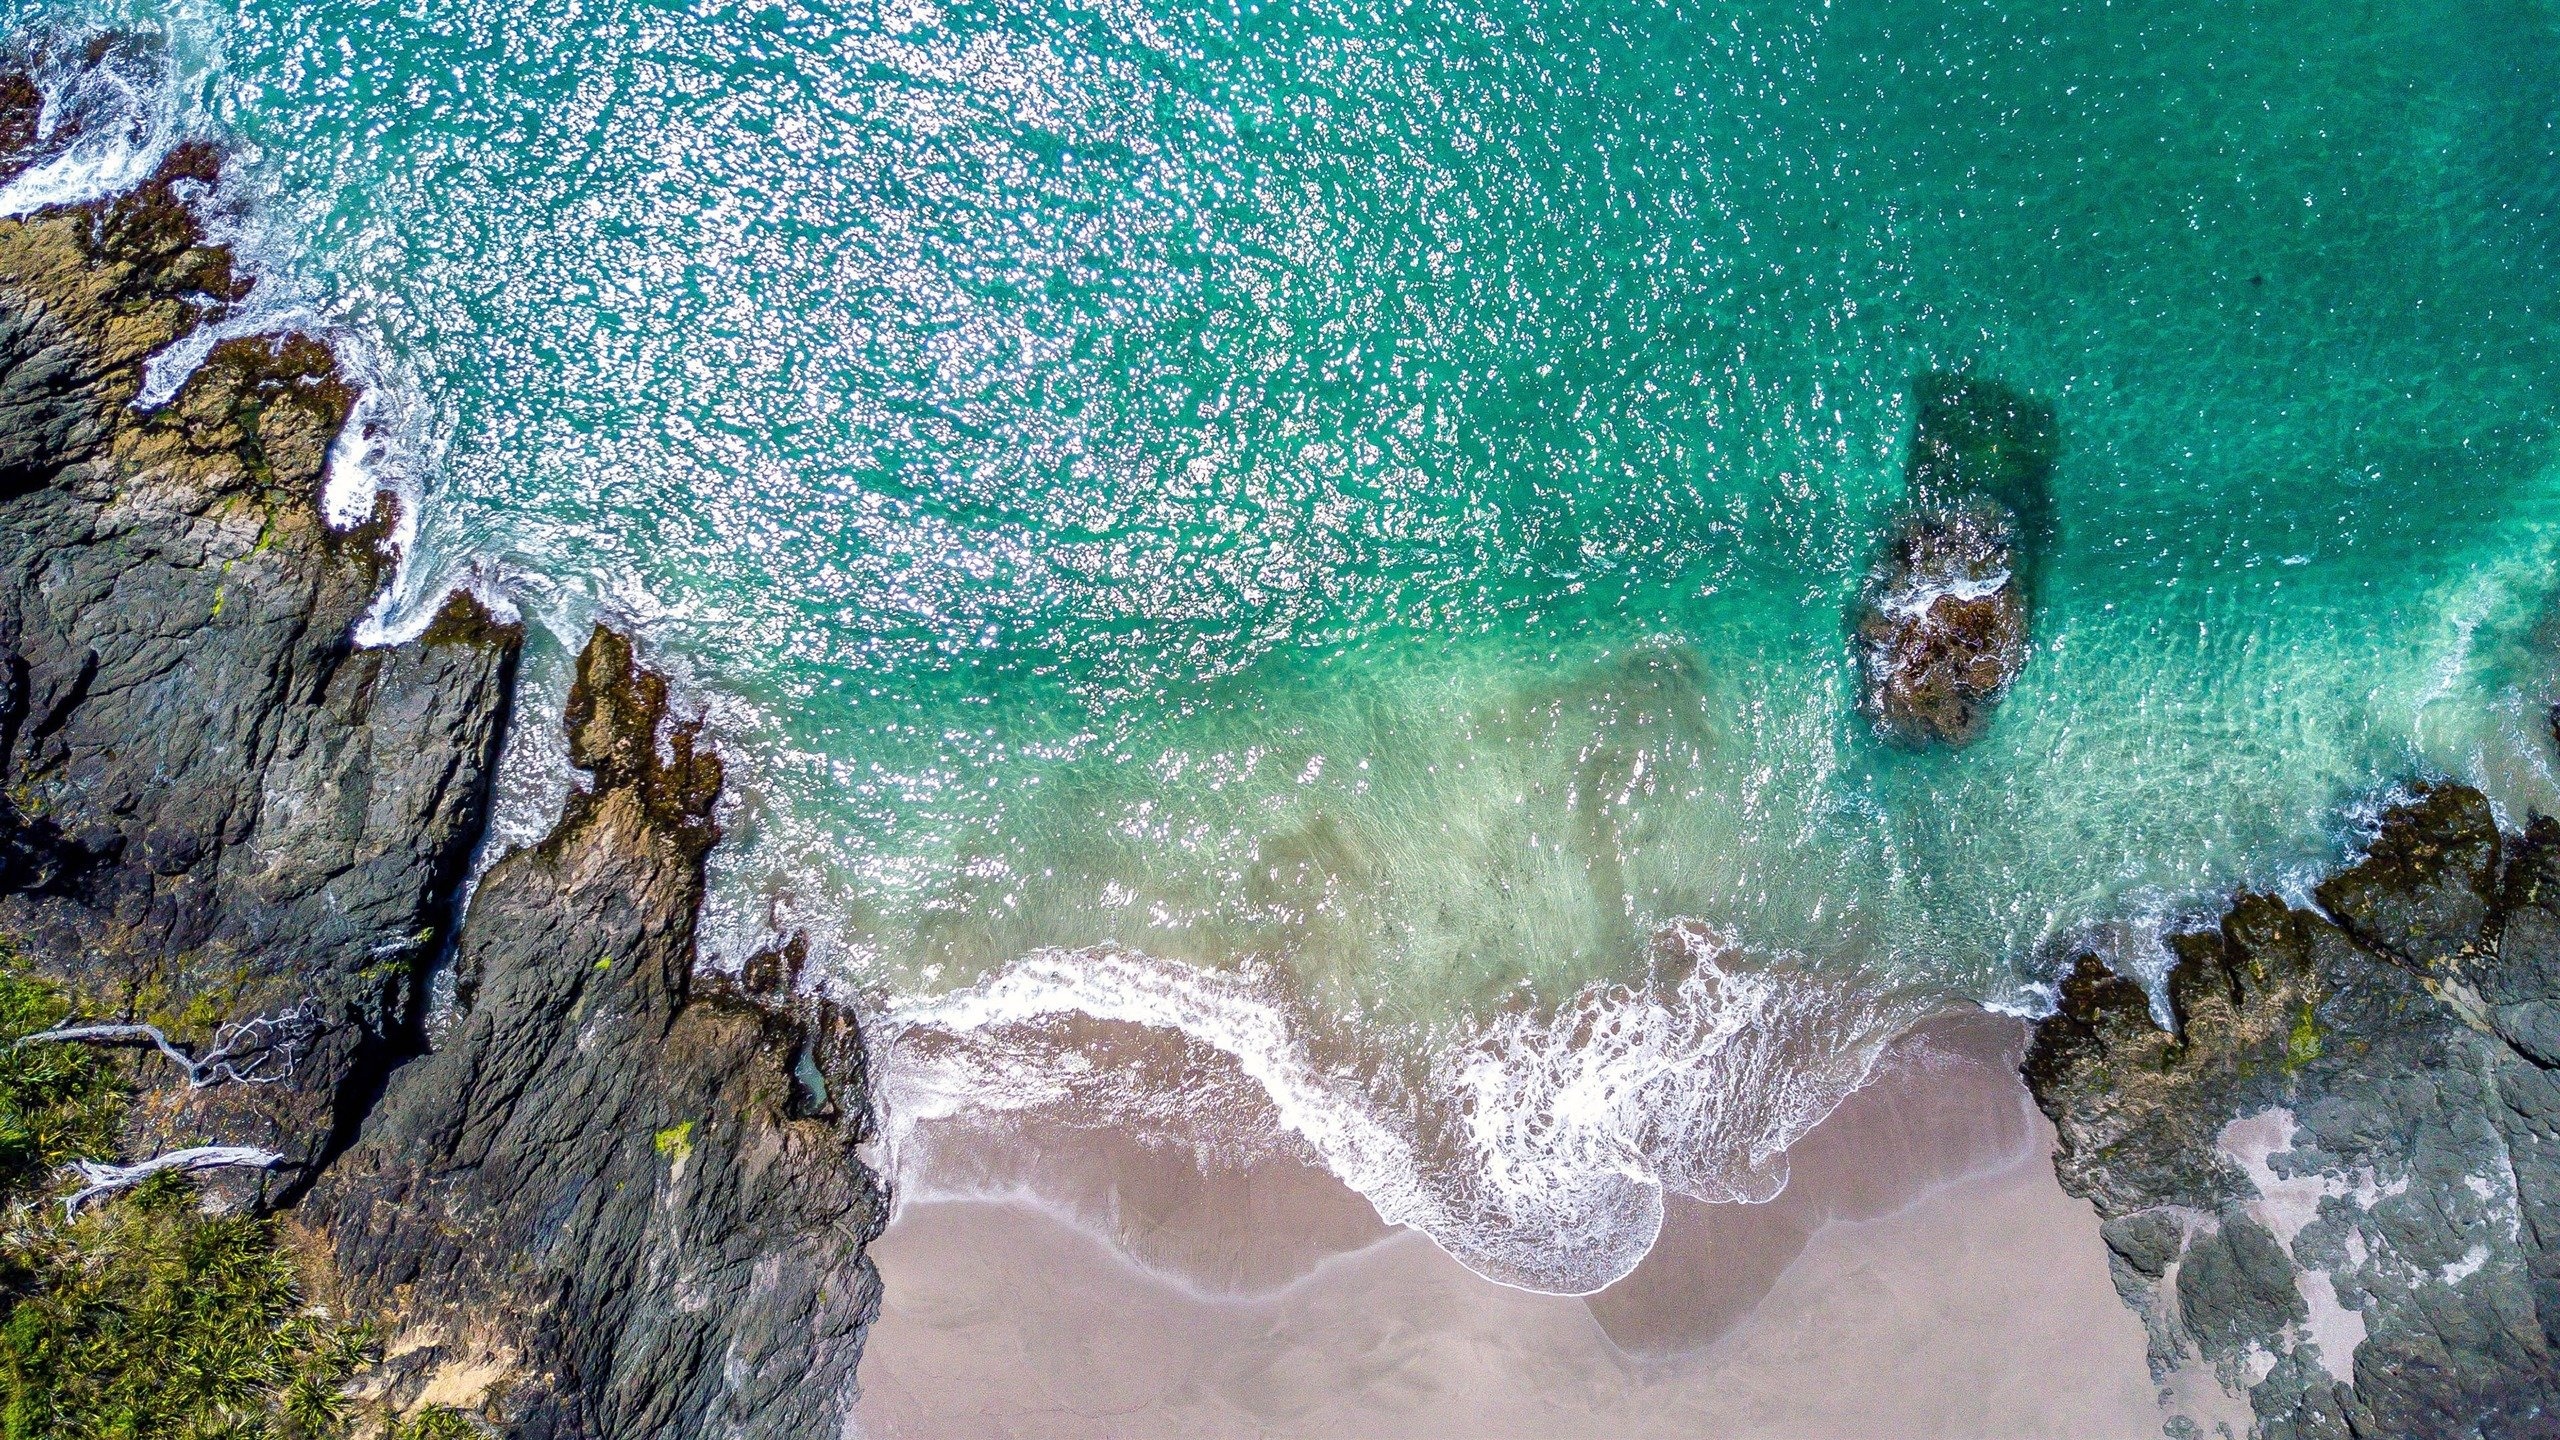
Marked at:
<point>1921,1275</point>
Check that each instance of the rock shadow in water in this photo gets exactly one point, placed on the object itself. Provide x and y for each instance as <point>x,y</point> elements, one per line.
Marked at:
<point>1940,627</point>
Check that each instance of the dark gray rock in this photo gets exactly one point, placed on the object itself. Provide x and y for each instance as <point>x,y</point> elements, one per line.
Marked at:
<point>613,1188</point>
<point>2235,1283</point>
<point>2147,1240</point>
<point>2337,1182</point>
<point>2425,891</point>
<point>618,1201</point>
<point>216,804</point>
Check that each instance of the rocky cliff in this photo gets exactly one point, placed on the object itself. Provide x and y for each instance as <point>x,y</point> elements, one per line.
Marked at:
<point>634,1194</point>
<point>2334,1176</point>
<point>216,806</point>
<point>615,1201</point>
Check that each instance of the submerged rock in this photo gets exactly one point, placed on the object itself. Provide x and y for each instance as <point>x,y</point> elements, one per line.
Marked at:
<point>2336,1181</point>
<point>1940,627</point>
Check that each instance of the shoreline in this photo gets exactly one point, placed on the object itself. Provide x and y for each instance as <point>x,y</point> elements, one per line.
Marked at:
<point>190,847</point>
<point>223,812</point>
<point>1922,1234</point>
<point>1540,1154</point>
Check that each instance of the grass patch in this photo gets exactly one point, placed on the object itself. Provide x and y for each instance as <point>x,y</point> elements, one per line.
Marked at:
<point>145,1317</point>
<point>437,1423</point>
<point>57,1102</point>
<point>151,1318</point>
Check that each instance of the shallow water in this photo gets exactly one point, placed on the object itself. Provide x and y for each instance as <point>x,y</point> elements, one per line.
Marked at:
<point>1363,500</point>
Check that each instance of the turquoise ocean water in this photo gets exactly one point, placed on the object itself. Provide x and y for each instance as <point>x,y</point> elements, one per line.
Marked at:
<point>1326,527</point>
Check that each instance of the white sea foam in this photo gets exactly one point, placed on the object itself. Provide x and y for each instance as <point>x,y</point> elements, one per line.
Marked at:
<point>114,107</point>
<point>357,471</point>
<point>105,127</point>
<point>1536,1152</point>
<point>1914,597</point>
<point>377,453</point>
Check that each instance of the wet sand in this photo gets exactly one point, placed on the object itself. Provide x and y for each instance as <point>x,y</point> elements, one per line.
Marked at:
<point>1922,1274</point>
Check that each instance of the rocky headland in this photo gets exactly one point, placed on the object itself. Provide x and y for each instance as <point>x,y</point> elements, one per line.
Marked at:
<point>615,1198</point>
<point>2333,1177</point>
<point>1940,627</point>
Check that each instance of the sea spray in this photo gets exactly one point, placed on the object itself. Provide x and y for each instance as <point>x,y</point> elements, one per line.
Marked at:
<point>115,105</point>
<point>111,115</point>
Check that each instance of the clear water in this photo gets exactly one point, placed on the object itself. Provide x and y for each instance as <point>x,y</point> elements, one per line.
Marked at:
<point>1362,498</point>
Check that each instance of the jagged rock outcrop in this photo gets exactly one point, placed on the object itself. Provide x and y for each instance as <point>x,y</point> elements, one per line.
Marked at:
<point>629,1198</point>
<point>1940,628</point>
<point>216,804</point>
<point>2336,1181</point>
<point>617,1200</point>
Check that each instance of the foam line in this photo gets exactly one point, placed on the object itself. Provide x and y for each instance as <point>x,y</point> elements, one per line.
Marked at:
<point>1536,1152</point>
<point>105,127</point>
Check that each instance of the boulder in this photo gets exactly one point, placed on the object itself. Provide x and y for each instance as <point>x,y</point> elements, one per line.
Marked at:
<point>1940,627</point>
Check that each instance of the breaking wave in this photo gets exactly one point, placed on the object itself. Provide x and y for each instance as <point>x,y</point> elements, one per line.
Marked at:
<point>116,103</point>
<point>1536,1150</point>
<point>111,114</point>
<point>878,502</point>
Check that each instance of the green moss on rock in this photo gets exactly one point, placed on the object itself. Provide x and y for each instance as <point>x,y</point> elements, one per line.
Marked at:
<point>2303,1045</point>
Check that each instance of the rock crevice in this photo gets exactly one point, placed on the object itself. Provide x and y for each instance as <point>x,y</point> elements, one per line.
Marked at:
<point>607,1179</point>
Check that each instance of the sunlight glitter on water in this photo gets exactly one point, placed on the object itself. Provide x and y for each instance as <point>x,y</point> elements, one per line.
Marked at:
<point>1367,498</point>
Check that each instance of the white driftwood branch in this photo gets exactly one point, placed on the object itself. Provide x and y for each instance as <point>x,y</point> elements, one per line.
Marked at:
<point>119,1035</point>
<point>257,1051</point>
<point>108,1179</point>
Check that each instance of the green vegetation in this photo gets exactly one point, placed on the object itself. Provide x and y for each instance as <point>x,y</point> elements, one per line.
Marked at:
<point>144,1317</point>
<point>675,1142</point>
<point>57,1102</point>
<point>2303,1045</point>
<point>150,1318</point>
<point>436,1423</point>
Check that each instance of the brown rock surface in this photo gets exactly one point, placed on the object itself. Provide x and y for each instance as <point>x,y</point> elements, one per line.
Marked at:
<point>1942,630</point>
<point>1940,627</point>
